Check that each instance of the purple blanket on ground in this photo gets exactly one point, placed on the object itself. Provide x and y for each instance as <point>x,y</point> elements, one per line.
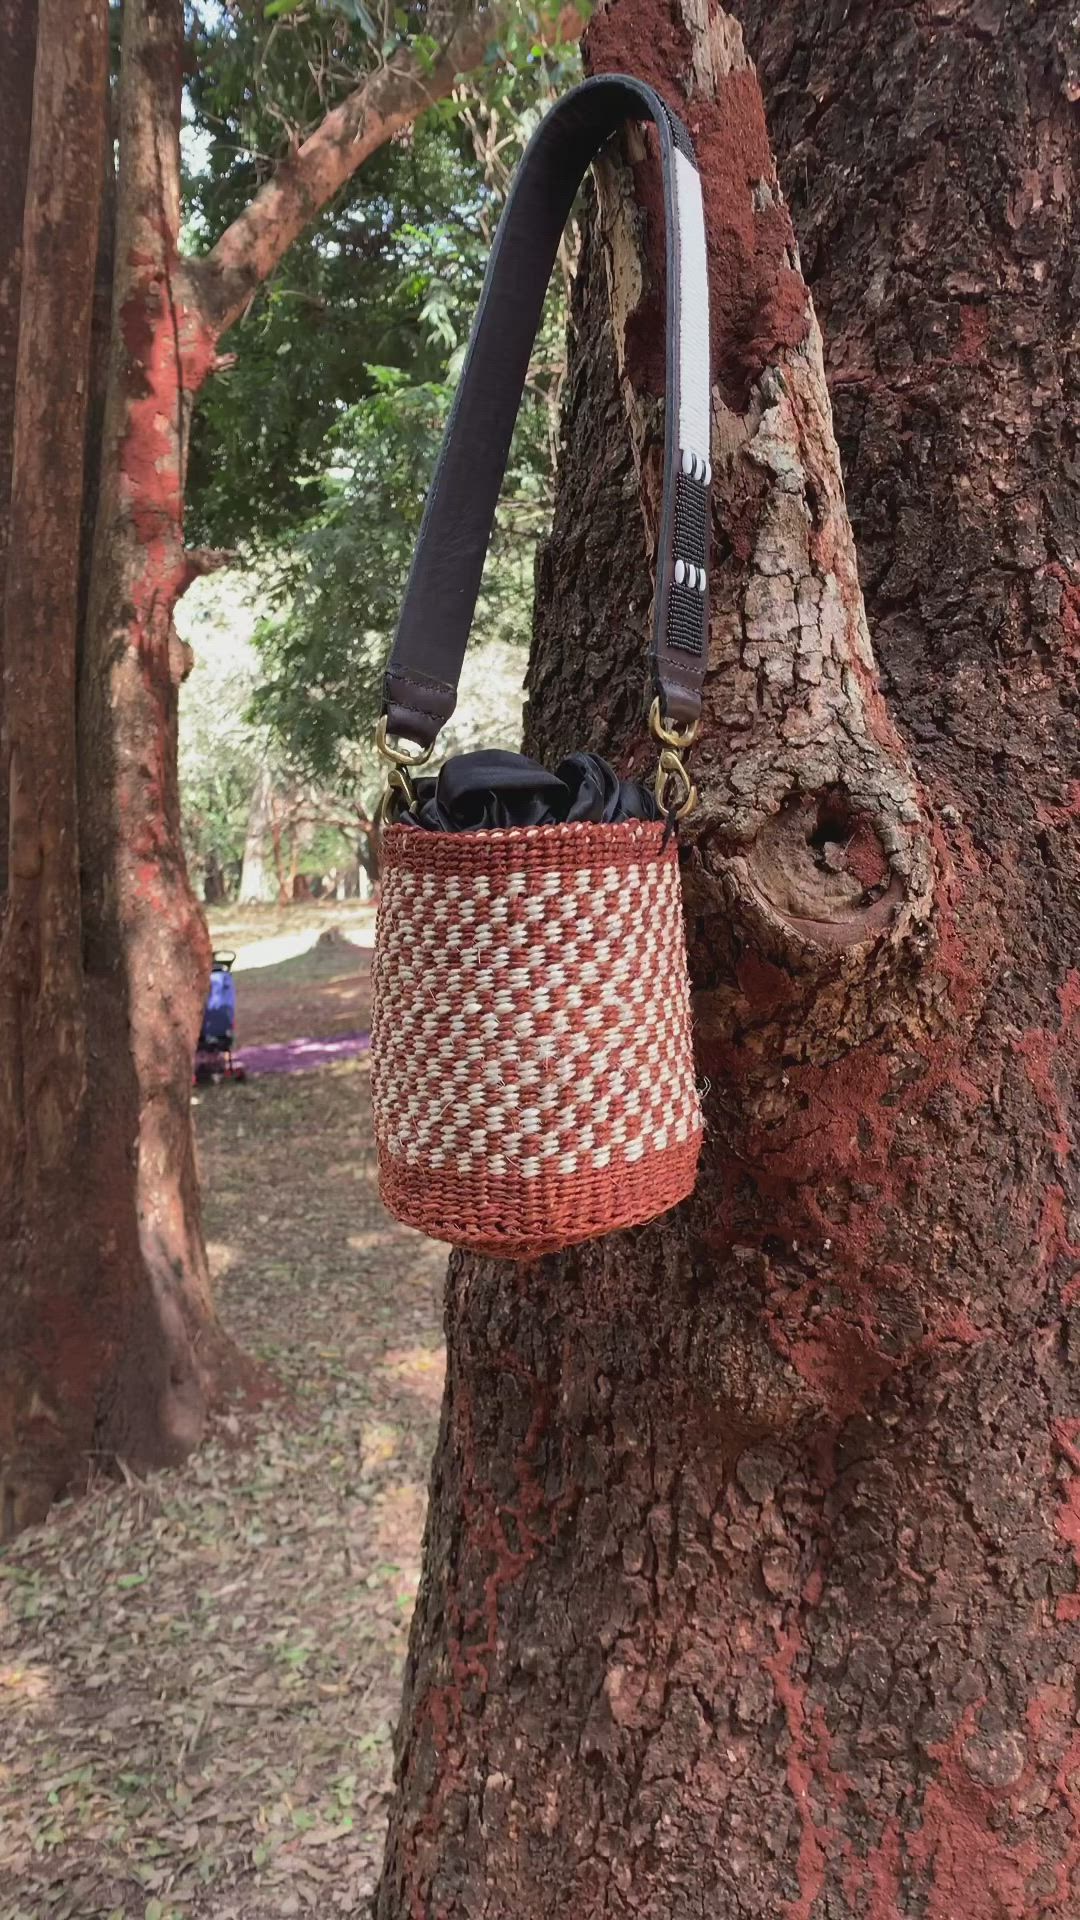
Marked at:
<point>301,1056</point>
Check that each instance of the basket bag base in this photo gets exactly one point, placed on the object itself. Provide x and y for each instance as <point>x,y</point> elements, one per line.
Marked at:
<point>533,1074</point>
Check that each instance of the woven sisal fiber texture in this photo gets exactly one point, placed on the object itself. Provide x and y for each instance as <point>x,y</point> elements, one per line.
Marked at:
<point>532,1060</point>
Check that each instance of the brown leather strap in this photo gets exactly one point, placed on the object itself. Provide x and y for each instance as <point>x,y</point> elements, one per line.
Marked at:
<point>420,689</point>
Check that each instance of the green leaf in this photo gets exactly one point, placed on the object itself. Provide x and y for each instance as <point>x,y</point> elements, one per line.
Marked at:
<point>313,456</point>
<point>128,1580</point>
<point>356,10</point>
<point>274,9</point>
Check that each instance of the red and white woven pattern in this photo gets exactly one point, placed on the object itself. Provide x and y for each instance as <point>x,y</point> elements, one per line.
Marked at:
<point>532,1059</point>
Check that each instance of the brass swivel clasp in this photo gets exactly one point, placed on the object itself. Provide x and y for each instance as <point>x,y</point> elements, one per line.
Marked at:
<point>399,788</point>
<point>675,791</point>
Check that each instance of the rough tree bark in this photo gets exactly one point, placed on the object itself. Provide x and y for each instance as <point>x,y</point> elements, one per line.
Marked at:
<point>43,1087</point>
<point>18,46</point>
<point>751,1580</point>
<point>146,943</point>
<point>112,1347</point>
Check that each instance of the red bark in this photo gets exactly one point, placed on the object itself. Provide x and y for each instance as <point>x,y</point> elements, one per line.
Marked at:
<point>111,1345</point>
<point>146,943</point>
<point>54,1340</point>
<point>751,1580</point>
<point>757,299</point>
<point>113,1348</point>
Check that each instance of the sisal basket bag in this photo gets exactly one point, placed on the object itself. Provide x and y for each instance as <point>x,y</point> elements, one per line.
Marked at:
<point>532,1058</point>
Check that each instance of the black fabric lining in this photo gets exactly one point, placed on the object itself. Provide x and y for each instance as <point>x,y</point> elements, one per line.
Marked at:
<point>495,789</point>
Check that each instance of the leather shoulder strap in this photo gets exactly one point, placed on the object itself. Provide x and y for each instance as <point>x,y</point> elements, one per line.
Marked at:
<point>420,689</point>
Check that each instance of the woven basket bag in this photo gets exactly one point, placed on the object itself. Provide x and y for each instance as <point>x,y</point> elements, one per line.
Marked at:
<point>532,1056</point>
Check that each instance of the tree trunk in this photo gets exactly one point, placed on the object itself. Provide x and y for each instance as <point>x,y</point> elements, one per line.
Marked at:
<point>215,885</point>
<point>18,45</point>
<point>55,1341</point>
<point>751,1574</point>
<point>277,833</point>
<point>147,952</point>
<point>256,881</point>
<point>367,858</point>
<point>111,1344</point>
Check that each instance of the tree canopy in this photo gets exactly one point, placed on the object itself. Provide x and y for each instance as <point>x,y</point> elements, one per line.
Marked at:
<point>310,456</point>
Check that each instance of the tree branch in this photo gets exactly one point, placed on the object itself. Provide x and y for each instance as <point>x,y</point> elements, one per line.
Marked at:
<point>199,561</point>
<point>383,104</point>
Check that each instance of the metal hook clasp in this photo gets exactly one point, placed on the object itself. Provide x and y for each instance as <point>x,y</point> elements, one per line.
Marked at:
<point>674,789</point>
<point>681,739</point>
<point>684,798</point>
<point>393,756</point>
<point>398,781</point>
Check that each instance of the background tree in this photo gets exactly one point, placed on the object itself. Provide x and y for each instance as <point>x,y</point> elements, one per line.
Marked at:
<point>386,277</point>
<point>312,455</point>
<point>323,648</point>
<point>103,952</point>
<point>224,755</point>
<point>751,1572</point>
<point>56,155</point>
<point>314,452</point>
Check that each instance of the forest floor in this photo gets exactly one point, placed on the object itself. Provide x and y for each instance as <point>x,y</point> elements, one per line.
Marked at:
<point>199,1672</point>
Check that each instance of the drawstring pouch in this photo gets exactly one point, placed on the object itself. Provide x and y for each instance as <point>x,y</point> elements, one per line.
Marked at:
<point>532,1060</point>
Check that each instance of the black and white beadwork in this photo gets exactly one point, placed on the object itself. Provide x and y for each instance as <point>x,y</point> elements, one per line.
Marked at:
<point>687,613</point>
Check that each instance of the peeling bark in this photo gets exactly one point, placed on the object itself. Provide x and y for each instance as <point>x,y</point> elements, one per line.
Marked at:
<point>751,1574</point>
<point>800,755</point>
<point>146,941</point>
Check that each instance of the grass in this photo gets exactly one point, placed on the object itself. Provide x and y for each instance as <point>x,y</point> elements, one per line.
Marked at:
<point>199,1674</point>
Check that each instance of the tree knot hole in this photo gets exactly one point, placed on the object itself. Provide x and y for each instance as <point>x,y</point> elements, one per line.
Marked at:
<point>820,864</point>
<point>845,841</point>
